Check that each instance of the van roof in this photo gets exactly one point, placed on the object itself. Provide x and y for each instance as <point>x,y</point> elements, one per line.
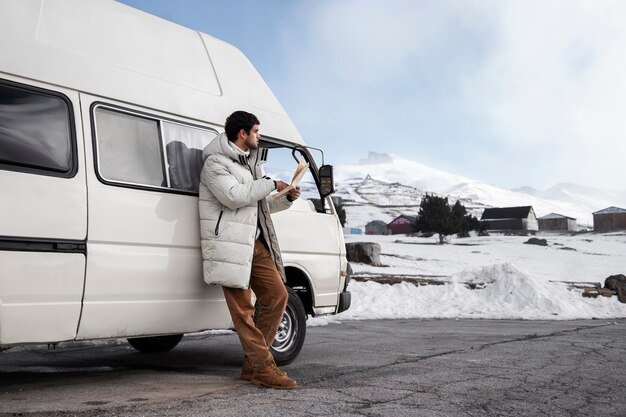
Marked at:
<point>109,49</point>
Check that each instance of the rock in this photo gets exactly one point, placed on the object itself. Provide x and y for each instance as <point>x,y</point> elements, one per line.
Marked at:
<point>537,241</point>
<point>606,292</point>
<point>617,283</point>
<point>364,252</point>
<point>591,293</point>
<point>475,285</point>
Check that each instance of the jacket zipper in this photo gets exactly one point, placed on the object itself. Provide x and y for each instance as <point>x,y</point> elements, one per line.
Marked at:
<point>217,226</point>
<point>268,239</point>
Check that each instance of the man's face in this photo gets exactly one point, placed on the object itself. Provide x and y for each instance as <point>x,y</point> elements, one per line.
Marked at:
<point>252,139</point>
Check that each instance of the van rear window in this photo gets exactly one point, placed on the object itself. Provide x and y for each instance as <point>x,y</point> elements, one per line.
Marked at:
<point>35,131</point>
<point>129,148</point>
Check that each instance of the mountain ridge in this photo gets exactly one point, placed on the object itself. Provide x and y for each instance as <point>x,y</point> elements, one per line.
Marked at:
<point>391,186</point>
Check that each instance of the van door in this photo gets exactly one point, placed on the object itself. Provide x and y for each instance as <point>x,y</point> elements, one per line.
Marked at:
<point>144,270</point>
<point>308,235</point>
<point>43,213</point>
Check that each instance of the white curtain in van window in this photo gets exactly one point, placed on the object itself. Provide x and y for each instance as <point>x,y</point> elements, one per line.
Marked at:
<point>183,151</point>
<point>129,148</point>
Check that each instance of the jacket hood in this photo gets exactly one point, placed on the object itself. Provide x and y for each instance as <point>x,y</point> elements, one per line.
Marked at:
<point>222,146</point>
<point>219,146</point>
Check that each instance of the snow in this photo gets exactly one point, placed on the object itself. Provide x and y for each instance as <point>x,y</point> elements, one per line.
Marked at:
<point>394,169</point>
<point>395,186</point>
<point>554,216</point>
<point>521,281</point>
<point>611,210</point>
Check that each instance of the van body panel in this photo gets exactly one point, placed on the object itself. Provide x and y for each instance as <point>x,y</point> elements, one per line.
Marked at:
<point>112,50</point>
<point>180,58</point>
<point>165,317</point>
<point>41,289</point>
<point>46,206</point>
<point>147,290</point>
<point>260,98</point>
<point>144,266</point>
<point>48,214</point>
<point>40,296</point>
<point>318,257</point>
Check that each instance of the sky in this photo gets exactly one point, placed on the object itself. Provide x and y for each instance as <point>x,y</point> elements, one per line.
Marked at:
<point>509,92</point>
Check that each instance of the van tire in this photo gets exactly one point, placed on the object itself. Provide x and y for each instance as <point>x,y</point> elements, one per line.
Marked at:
<point>155,344</point>
<point>291,331</point>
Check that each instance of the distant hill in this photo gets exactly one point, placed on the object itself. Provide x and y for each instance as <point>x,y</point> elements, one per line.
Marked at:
<point>384,186</point>
<point>579,195</point>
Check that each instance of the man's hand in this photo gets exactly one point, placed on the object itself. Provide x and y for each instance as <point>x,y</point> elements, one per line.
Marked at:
<point>294,194</point>
<point>280,185</point>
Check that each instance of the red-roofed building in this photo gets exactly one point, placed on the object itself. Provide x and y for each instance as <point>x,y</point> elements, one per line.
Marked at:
<point>402,224</point>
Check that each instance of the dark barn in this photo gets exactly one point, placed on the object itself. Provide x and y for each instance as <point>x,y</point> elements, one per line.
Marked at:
<point>557,222</point>
<point>376,227</point>
<point>611,218</point>
<point>510,218</point>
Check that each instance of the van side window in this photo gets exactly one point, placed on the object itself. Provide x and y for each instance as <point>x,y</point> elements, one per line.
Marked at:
<point>183,149</point>
<point>280,164</point>
<point>129,148</point>
<point>149,151</point>
<point>35,131</point>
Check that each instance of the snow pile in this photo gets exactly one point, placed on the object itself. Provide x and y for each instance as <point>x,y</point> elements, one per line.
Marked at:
<point>508,293</point>
<point>511,294</point>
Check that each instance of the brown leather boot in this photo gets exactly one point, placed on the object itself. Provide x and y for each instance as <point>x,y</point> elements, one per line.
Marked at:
<point>272,377</point>
<point>247,369</point>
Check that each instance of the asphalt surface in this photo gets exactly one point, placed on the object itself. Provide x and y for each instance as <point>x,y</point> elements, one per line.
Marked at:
<point>361,368</point>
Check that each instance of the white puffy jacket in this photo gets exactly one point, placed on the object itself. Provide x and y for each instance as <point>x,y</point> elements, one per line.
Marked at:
<point>233,193</point>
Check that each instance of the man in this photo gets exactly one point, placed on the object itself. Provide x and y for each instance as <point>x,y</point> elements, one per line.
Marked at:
<point>239,246</point>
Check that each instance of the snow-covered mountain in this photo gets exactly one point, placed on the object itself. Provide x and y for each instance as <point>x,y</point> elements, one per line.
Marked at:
<point>578,195</point>
<point>384,186</point>
<point>392,169</point>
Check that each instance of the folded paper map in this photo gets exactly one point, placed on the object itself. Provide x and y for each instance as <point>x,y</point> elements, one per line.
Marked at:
<point>295,181</point>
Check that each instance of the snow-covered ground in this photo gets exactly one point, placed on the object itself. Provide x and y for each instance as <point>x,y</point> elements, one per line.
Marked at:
<point>522,281</point>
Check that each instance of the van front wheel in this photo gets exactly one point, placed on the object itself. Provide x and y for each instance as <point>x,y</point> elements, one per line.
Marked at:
<point>155,344</point>
<point>291,331</point>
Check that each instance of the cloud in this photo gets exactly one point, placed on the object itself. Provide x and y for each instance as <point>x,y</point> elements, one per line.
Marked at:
<point>551,64</point>
<point>554,81</point>
<point>519,85</point>
<point>370,40</point>
<point>356,62</point>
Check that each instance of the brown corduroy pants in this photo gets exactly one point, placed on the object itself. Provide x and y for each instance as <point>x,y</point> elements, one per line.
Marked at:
<point>272,295</point>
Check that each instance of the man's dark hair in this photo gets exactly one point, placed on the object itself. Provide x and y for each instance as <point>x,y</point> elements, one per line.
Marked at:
<point>237,121</point>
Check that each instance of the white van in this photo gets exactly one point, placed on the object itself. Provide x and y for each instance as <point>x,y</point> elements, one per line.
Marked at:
<point>104,111</point>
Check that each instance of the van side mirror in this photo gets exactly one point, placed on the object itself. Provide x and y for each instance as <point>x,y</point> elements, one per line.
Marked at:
<point>327,183</point>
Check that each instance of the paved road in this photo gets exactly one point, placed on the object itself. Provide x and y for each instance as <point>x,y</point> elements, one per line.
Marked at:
<point>367,368</point>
